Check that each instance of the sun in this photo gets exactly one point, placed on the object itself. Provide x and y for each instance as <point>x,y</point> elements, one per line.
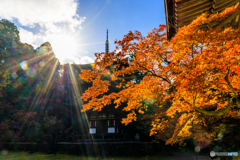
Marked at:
<point>65,46</point>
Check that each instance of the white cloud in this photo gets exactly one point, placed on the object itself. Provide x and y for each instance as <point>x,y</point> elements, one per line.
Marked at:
<point>82,60</point>
<point>86,60</point>
<point>68,60</point>
<point>46,13</point>
<point>30,38</point>
<point>55,17</point>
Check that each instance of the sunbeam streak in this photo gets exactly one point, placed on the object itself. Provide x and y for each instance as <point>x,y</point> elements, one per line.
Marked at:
<point>78,102</point>
<point>43,92</point>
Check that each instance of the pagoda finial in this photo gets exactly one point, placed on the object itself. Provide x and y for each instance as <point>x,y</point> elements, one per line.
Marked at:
<point>107,44</point>
<point>107,34</point>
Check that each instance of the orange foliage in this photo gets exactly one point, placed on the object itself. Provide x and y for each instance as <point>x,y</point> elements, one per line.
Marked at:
<point>198,72</point>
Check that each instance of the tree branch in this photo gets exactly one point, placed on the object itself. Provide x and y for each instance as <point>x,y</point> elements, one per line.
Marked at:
<point>231,87</point>
<point>154,74</point>
<point>213,113</point>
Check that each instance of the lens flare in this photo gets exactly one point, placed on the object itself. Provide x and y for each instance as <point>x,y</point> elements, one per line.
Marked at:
<point>42,50</point>
<point>24,65</point>
<point>14,44</point>
<point>31,72</point>
<point>42,63</point>
<point>4,152</point>
<point>14,75</point>
<point>2,26</point>
<point>197,149</point>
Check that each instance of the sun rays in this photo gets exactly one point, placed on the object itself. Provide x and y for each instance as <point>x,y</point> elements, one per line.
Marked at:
<point>45,62</point>
<point>30,68</point>
<point>65,46</point>
<point>44,98</point>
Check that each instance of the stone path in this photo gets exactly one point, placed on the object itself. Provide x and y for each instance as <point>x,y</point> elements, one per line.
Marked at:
<point>186,156</point>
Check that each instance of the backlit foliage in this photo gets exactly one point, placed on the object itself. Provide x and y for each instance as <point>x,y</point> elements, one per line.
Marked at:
<point>194,79</point>
<point>31,91</point>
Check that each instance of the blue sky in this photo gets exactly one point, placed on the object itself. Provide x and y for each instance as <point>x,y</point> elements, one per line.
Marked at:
<point>77,29</point>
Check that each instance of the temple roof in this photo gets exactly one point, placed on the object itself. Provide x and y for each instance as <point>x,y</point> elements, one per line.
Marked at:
<point>182,12</point>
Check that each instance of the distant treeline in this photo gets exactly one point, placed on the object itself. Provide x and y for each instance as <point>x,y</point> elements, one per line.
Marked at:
<point>32,94</point>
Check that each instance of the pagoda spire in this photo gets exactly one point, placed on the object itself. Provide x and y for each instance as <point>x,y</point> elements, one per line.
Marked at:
<point>107,44</point>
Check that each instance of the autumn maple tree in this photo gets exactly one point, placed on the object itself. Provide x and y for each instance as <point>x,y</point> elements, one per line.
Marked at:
<point>194,79</point>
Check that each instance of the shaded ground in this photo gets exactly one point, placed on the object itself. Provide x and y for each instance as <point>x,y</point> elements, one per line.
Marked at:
<point>5,155</point>
<point>186,156</point>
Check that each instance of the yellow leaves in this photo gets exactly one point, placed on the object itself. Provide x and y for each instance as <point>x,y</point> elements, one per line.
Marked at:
<point>119,86</point>
<point>140,111</point>
<point>130,117</point>
<point>88,75</point>
<point>195,64</point>
<point>99,87</point>
<point>202,68</point>
<point>236,6</point>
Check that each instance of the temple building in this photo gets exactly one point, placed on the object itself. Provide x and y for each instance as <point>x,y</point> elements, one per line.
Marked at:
<point>182,12</point>
<point>104,125</point>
